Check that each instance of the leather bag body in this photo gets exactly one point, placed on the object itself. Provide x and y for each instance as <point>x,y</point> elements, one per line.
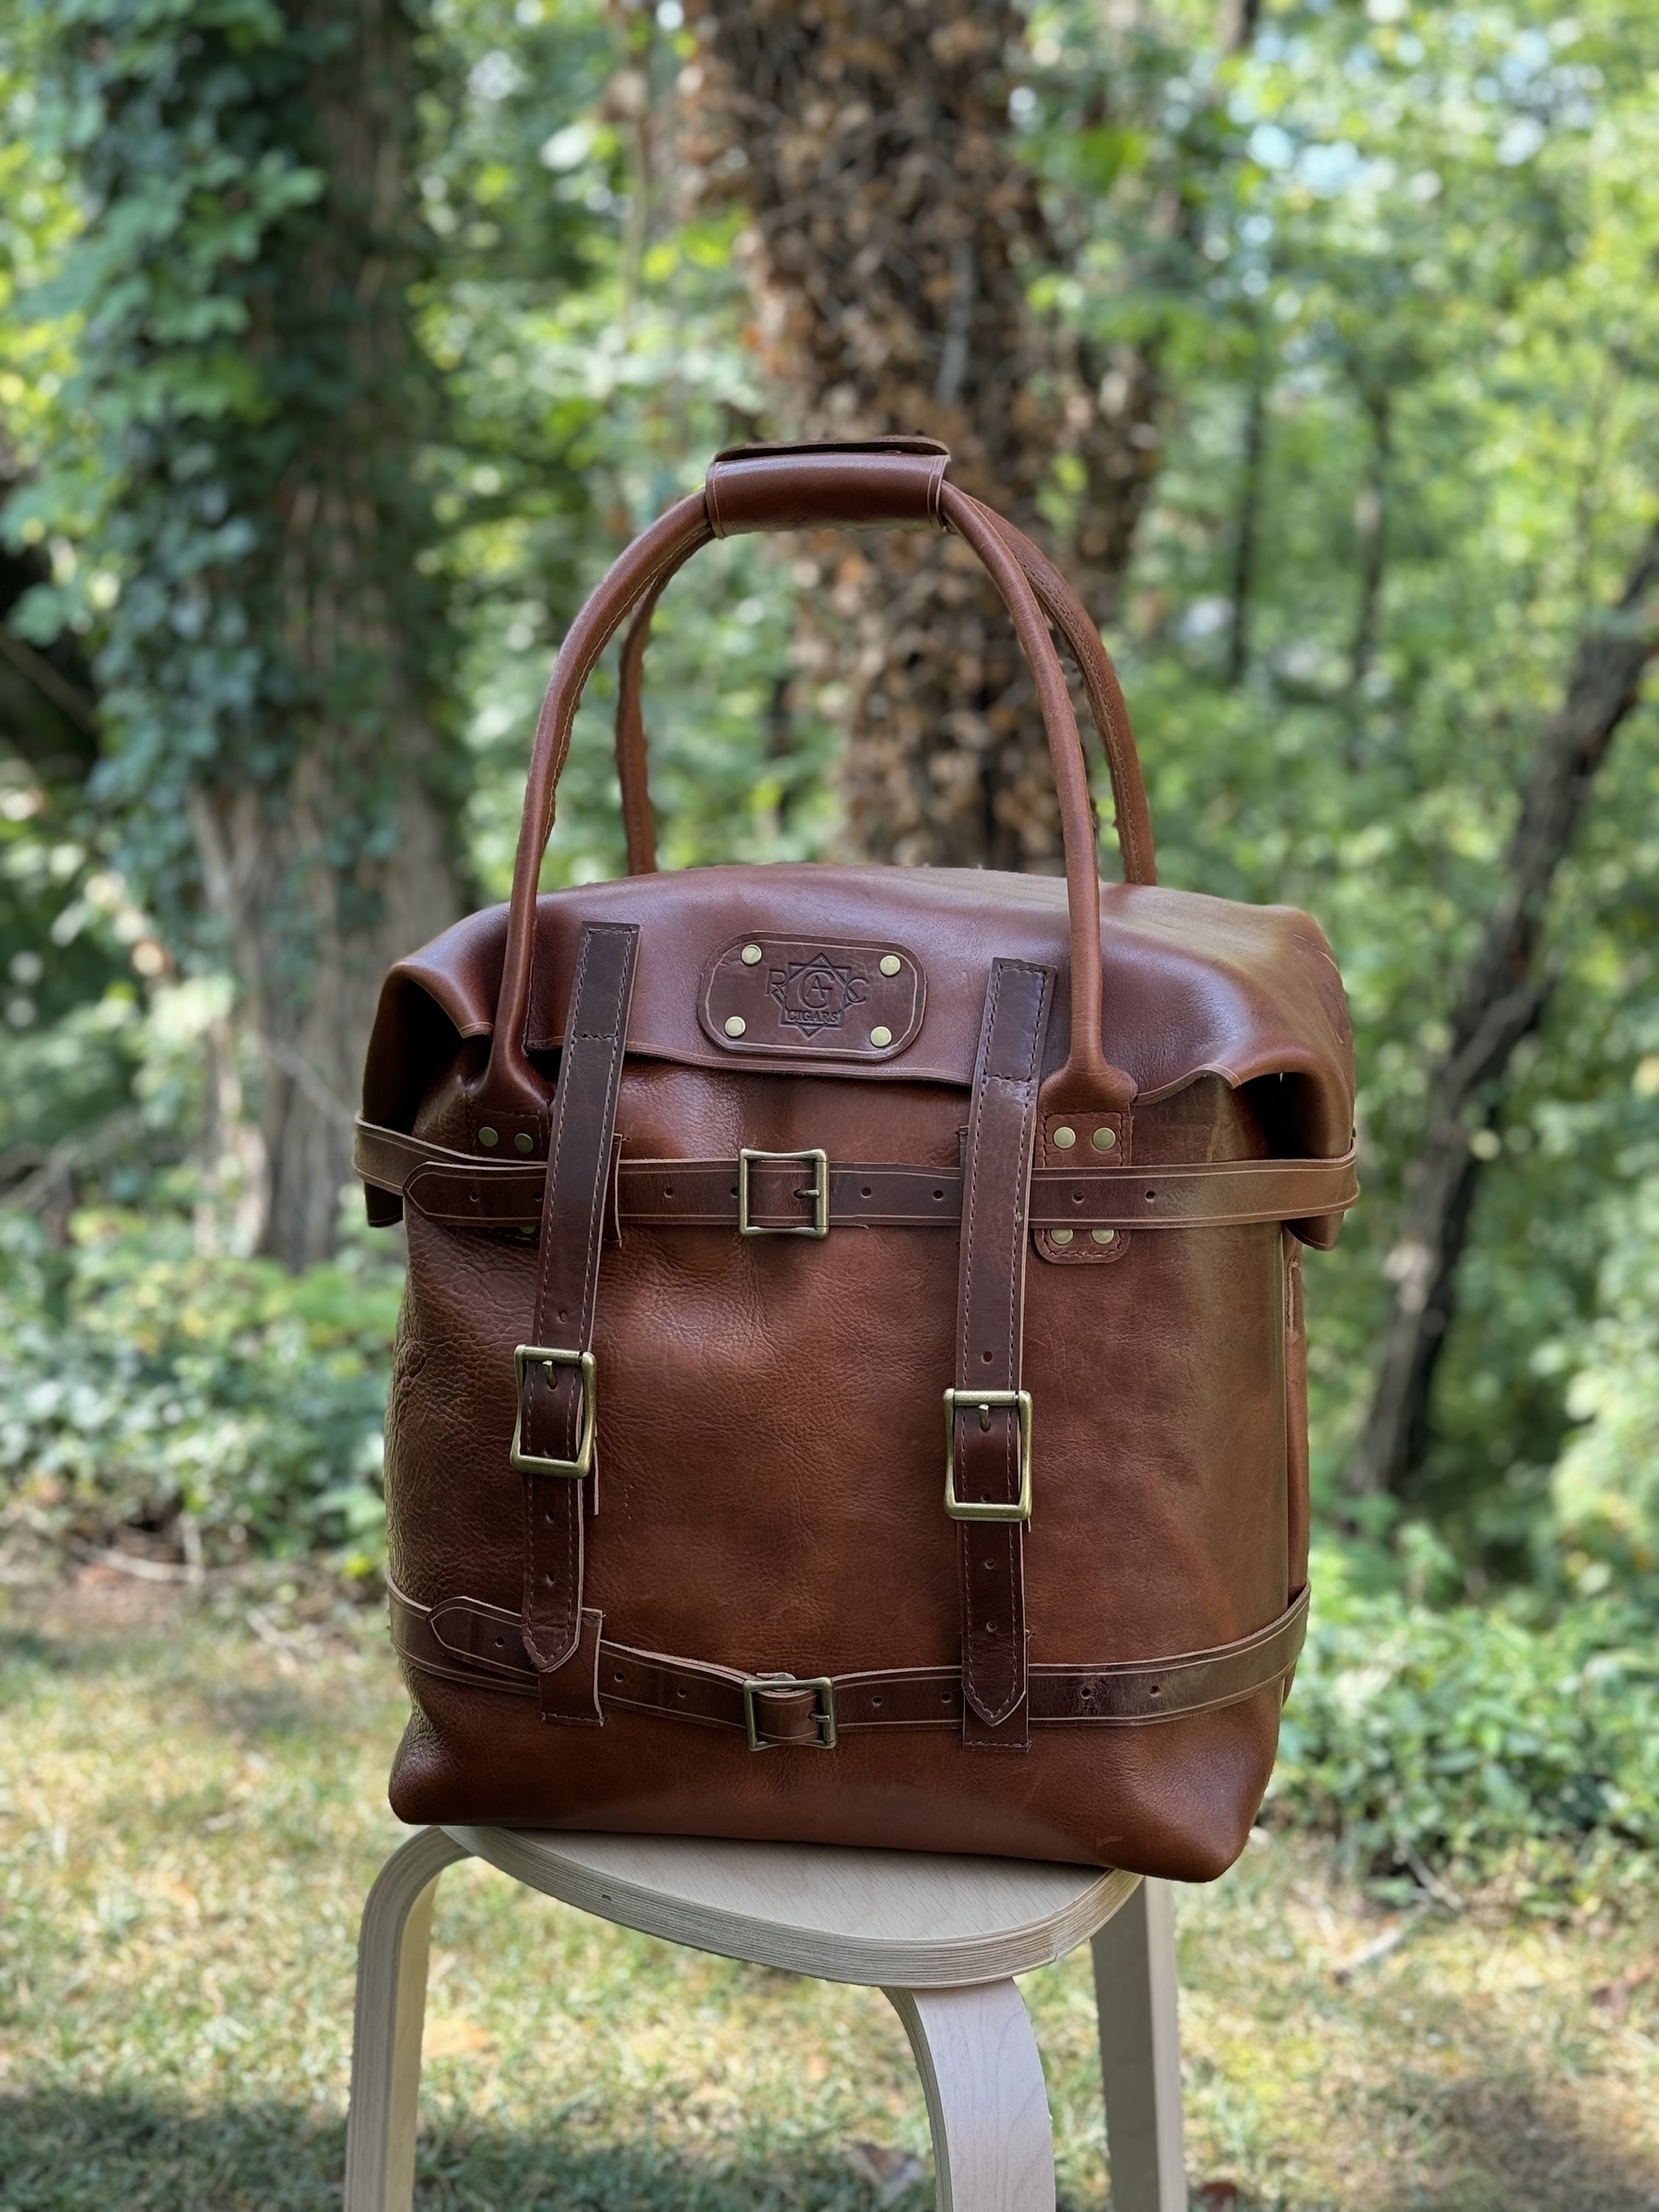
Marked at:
<point>851,1386</point>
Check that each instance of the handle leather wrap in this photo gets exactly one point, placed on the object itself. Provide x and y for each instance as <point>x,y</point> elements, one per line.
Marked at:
<point>891,480</point>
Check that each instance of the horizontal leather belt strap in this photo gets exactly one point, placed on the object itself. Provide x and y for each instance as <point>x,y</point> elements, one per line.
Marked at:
<point>454,1188</point>
<point>467,1641</point>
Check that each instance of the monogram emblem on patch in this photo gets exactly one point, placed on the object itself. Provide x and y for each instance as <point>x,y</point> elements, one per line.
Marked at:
<point>816,995</point>
<point>811,998</point>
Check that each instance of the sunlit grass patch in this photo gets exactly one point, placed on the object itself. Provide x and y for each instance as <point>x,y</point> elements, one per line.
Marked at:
<point>193,1811</point>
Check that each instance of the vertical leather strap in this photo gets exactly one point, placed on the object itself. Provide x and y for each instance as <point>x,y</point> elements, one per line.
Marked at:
<point>552,1408</point>
<point>990,1324</point>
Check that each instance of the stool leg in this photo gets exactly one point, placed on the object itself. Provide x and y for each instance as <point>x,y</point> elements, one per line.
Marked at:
<point>993,2149</point>
<point>390,2010</point>
<point>1140,2053</point>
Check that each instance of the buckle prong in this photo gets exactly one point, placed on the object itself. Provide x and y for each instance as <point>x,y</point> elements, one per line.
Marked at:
<point>819,1194</point>
<point>970,1509</point>
<point>549,1355</point>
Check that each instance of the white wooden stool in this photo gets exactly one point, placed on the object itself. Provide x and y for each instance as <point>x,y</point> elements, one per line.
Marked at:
<point>941,1936</point>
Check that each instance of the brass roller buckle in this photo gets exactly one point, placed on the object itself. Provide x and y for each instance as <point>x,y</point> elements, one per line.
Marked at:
<point>819,1194</point>
<point>969,1509</point>
<point>823,1707</point>
<point>549,1355</point>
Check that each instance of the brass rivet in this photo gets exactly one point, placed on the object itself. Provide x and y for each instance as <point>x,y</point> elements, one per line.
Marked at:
<point>890,963</point>
<point>881,1034</point>
<point>1104,1139</point>
<point>488,1136</point>
<point>1064,1140</point>
<point>751,955</point>
<point>1104,1236</point>
<point>524,1142</point>
<point>1062,1236</point>
<point>736,1025</point>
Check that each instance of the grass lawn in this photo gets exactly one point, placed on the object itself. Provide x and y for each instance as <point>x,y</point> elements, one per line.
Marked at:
<point>192,1807</point>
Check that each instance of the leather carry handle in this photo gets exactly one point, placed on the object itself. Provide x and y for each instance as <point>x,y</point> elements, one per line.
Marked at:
<point>1063,609</point>
<point>898,482</point>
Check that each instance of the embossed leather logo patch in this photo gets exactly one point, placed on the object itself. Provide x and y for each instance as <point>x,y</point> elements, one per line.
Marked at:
<point>812,997</point>
<point>816,995</point>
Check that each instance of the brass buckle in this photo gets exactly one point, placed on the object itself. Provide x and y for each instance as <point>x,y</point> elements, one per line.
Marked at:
<point>823,1690</point>
<point>819,1224</point>
<point>969,1509</point>
<point>551,1355</point>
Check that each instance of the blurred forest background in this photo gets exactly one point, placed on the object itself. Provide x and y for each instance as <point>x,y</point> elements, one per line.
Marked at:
<point>342,347</point>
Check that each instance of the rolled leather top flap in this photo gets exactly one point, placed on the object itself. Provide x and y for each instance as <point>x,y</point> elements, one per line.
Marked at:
<point>890,481</point>
<point>1194,985</point>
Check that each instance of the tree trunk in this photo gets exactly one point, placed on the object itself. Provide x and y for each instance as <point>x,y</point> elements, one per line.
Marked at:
<point>1502,997</point>
<point>325,874</point>
<point>894,235</point>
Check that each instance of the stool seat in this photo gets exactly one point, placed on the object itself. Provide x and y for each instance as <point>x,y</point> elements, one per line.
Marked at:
<point>941,1936</point>
<point>877,1917</point>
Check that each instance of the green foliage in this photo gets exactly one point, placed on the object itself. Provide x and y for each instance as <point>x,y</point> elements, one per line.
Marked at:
<point>1474,1741</point>
<point>212,375</point>
<point>147,1383</point>
<point>1423,256</point>
<point>1607,1483</point>
<point>593,340</point>
<point>68,1000</point>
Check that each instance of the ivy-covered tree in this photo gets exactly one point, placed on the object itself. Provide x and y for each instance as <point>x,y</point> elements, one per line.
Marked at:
<point>239,464</point>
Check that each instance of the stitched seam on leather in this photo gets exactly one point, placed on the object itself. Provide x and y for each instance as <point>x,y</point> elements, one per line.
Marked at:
<point>1288,1631</point>
<point>970,1207</point>
<point>969,1213</point>
<point>1010,1535</point>
<point>596,1210</point>
<point>590,1270</point>
<point>1290,1188</point>
<point>1283,1624</point>
<point>1017,1235</point>
<point>526,1686</point>
<point>557,1616</point>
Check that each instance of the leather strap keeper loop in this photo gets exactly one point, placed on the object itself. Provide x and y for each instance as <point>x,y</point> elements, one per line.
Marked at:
<point>886,481</point>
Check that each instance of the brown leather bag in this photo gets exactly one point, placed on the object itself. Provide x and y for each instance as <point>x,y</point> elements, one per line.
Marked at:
<point>834,1399</point>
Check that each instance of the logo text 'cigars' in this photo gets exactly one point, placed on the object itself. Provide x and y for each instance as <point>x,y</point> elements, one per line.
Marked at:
<point>815,994</point>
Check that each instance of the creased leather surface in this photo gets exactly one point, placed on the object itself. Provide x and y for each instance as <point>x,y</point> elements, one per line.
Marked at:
<point>772,1459</point>
<point>1192,983</point>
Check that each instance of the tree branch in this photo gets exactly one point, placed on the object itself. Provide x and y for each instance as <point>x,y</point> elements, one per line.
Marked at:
<point>1502,998</point>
